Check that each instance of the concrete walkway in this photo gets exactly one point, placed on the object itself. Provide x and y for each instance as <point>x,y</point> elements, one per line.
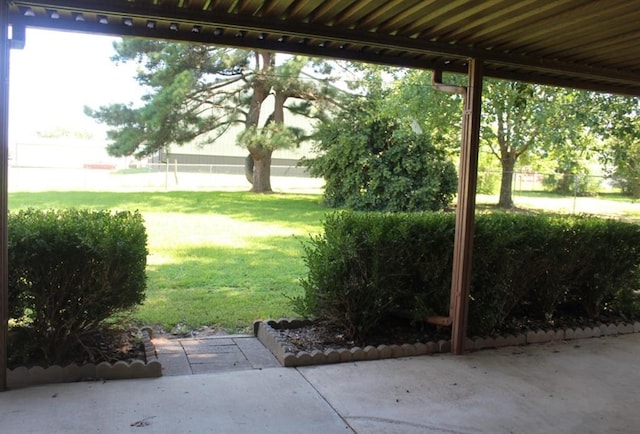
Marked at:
<point>212,354</point>
<point>586,386</point>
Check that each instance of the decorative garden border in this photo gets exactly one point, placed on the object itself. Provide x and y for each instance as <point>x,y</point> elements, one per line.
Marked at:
<point>267,333</point>
<point>150,367</point>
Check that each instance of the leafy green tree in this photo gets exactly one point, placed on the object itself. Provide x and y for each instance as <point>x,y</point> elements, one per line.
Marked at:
<point>624,168</point>
<point>372,161</point>
<point>437,114</point>
<point>525,121</point>
<point>199,91</point>
<point>619,127</point>
<point>520,123</point>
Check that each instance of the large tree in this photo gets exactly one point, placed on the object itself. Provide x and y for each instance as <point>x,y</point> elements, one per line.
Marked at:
<point>519,120</point>
<point>619,127</point>
<point>522,123</point>
<point>199,91</point>
<point>525,120</point>
<point>437,114</point>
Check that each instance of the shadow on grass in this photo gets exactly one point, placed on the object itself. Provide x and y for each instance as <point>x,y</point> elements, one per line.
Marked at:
<point>280,207</point>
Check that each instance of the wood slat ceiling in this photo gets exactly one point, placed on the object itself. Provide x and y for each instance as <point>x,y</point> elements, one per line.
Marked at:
<point>576,43</point>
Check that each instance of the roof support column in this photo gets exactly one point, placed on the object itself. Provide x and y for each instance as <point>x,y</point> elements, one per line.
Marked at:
<point>465,210</point>
<point>4,159</point>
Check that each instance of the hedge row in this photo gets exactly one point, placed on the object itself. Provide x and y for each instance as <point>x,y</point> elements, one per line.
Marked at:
<point>69,272</point>
<point>366,266</point>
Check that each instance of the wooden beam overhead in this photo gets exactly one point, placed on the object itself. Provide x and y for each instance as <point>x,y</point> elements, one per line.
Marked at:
<point>523,39</point>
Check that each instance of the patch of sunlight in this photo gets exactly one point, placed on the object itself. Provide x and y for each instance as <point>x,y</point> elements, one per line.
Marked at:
<point>159,259</point>
<point>231,291</point>
<point>155,301</point>
<point>173,229</point>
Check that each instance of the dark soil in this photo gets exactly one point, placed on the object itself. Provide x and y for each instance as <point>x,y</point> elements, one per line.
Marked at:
<point>107,346</point>
<point>320,335</point>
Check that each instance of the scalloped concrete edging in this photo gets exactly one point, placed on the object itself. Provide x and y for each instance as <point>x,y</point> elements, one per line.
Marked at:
<point>151,367</point>
<point>267,333</point>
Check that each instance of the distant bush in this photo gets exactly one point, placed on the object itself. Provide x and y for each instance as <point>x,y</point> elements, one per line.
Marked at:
<point>571,184</point>
<point>488,183</point>
<point>629,185</point>
<point>368,266</point>
<point>373,162</point>
<point>69,272</point>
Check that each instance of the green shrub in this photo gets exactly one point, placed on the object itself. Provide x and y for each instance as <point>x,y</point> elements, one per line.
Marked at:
<point>354,273</point>
<point>506,264</point>
<point>488,182</point>
<point>571,184</point>
<point>367,266</point>
<point>374,162</point>
<point>70,271</point>
<point>601,265</point>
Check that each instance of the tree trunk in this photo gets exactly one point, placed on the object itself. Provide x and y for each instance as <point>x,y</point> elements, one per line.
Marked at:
<point>278,107</point>
<point>506,184</point>
<point>258,170</point>
<point>259,89</point>
<point>261,171</point>
<point>248,168</point>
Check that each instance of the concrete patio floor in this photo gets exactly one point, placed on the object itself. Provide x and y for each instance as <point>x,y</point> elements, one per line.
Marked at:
<point>579,386</point>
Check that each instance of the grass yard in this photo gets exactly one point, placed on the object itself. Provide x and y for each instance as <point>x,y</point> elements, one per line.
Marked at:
<point>221,259</point>
<point>611,205</point>
<point>224,259</point>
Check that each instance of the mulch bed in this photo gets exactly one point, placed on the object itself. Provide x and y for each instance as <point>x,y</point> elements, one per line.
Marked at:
<point>112,346</point>
<point>320,335</point>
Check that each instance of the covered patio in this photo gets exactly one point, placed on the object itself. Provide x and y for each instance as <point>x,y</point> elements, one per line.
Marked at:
<point>585,386</point>
<point>573,43</point>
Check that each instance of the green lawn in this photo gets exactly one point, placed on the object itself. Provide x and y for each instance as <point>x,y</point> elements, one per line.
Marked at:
<point>221,259</point>
<point>224,259</point>
<point>604,204</point>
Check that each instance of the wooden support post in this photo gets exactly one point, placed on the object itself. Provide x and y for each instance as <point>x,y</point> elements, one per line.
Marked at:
<point>465,211</point>
<point>4,162</point>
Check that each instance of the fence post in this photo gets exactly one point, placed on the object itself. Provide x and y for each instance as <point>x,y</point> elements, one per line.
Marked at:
<point>166,174</point>
<point>175,170</point>
<point>575,191</point>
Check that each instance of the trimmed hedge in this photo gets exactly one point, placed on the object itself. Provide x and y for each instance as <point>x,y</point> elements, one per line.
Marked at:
<point>367,266</point>
<point>69,272</point>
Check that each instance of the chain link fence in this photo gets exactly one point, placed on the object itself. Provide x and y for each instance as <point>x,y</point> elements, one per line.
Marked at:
<point>167,176</point>
<point>563,193</point>
<point>573,194</point>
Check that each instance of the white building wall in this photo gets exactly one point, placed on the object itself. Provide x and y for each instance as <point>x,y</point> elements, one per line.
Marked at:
<point>226,144</point>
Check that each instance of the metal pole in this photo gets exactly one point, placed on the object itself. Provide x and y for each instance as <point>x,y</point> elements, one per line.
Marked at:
<point>4,168</point>
<point>465,210</point>
<point>175,170</point>
<point>166,174</point>
<point>575,191</point>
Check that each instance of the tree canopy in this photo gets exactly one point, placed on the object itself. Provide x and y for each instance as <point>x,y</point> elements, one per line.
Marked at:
<point>528,123</point>
<point>200,91</point>
<point>371,160</point>
<point>620,129</point>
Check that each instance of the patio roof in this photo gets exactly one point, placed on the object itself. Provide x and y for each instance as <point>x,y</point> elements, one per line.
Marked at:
<point>582,44</point>
<point>573,43</point>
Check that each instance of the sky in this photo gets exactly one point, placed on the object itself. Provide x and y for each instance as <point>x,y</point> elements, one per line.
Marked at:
<point>57,74</point>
